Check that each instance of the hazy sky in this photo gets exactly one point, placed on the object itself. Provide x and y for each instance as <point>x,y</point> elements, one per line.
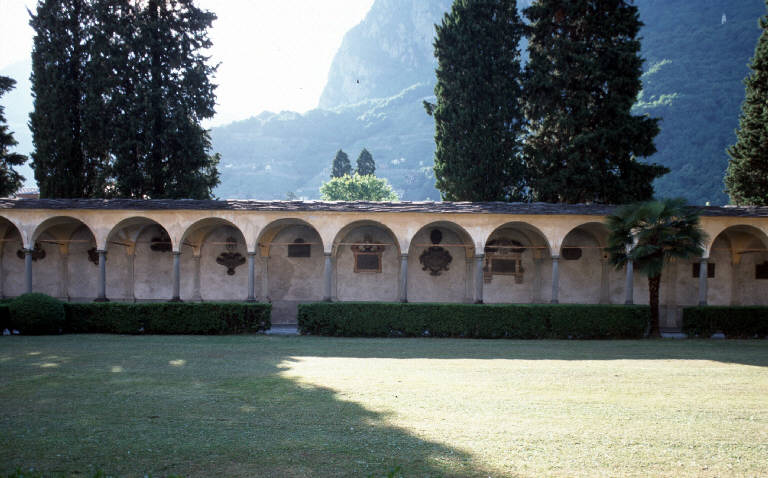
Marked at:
<point>274,54</point>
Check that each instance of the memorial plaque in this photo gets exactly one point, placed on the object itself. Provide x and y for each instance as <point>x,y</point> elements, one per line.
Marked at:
<point>299,249</point>
<point>504,266</point>
<point>365,262</point>
<point>571,253</point>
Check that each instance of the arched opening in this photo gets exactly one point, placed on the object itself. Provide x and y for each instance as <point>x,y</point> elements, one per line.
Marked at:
<point>737,268</point>
<point>440,261</point>
<point>11,268</point>
<point>61,259</point>
<point>139,261</point>
<point>214,262</point>
<point>586,276</point>
<point>291,267</point>
<point>517,265</point>
<point>367,264</point>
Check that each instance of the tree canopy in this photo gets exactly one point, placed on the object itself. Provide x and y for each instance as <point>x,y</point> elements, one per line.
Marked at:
<point>746,180</point>
<point>341,165</point>
<point>365,164</point>
<point>131,83</point>
<point>478,114</point>
<point>582,79</point>
<point>650,234</point>
<point>10,180</point>
<point>357,188</point>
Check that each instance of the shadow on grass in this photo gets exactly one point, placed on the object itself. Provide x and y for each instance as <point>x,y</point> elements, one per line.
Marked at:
<point>192,406</point>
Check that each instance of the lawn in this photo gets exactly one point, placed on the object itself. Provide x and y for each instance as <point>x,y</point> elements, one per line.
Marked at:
<point>307,406</point>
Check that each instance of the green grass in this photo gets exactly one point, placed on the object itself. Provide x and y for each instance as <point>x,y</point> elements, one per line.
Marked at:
<point>309,406</point>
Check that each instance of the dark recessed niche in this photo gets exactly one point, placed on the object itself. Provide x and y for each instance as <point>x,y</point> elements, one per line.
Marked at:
<point>367,262</point>
<point>571,253</point>
<point>299,248</point>
<point>697,268</point>
<point>761,270</point>
<point>504,266</point>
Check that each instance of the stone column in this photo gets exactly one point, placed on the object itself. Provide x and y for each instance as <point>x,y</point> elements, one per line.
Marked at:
<point>629,287</point>
<point>176,277</point>
<point>196,294</point>
<point>555,279</point>
<point>327,277</point>
<point>28,269</point>
<point>703,281</point>
<point>265,278</point>
<point>605,285</point>
<point>479,258</point>
<point>102,297</point>
<point>251,276</point>
<point>404,278</point>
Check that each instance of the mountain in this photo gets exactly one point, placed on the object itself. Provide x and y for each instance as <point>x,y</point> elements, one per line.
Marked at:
<point>696,59</point>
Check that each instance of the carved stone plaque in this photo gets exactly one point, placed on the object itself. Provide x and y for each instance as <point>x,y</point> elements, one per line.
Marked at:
<point>93,256</point>
<point>38,253</point>
<point>503,257</point>
<point>231,259</point>
<point>368,255</point>
<point>435,259</point>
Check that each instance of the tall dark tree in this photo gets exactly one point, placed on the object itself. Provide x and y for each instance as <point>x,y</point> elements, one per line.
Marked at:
<point>10,180</point>
<point>746,180</point>
<point>365,164</point>
<point>161,150</point>
<point>69,158</point>
<point>581,82</point>
<point>478,114</point>
<point>341,165</point>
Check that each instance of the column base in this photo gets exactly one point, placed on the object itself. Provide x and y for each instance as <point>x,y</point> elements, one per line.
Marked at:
<point>176,299</point>
<point>403,301</point>
<point>478,301</point>
<point>251,300</point>
<point>702,302</point>
<point>554,301</point>
<point>101,299</point>
<point>629,302</point>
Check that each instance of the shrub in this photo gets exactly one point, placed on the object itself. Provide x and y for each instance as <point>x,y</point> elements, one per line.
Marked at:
<point>734,322</point>
<point>37,314</point>
<point>168,318</point>
<point>375,319</point>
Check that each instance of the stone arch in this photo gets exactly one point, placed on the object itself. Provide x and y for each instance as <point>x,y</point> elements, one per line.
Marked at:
<point>739,256</point>
<point>430,281</point>
<point>522,257</point>
<point>11,268</point>
<point>357,279</point>
<point>139,260</point>
<point>214,264</point>
<point>64,270</point>
<point>292,265</point>
<point>586,276</point>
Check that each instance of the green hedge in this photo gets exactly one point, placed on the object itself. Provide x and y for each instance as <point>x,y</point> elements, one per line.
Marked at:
<point>535,321</point>
<point>168,318</point>
<point>734,322</point>
<point>37,314</point>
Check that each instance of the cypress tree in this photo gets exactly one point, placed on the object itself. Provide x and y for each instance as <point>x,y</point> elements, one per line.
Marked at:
<point>161,150</point>
<point>341,165</point>
<point>581,82</point>
<point>365,164</point>
<point>478,113</point>
<point>69,158</point>
<point>746,180</point>
<point>10,180</point>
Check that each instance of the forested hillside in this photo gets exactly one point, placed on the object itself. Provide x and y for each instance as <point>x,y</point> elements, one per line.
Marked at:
<point>695,65</point>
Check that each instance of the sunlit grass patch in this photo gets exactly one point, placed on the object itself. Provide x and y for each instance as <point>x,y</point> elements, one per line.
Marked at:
<point>304,406</point>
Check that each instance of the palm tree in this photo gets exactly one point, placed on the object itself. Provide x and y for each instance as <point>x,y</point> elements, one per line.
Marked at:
<point>650,234</point>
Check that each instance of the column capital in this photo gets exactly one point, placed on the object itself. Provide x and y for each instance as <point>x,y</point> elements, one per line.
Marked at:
<point>404,256</point>
<point>327,254</point>
<point>480,256</point>
<point>176,253</point>
<point>252,253</point>
<point>704,259</point>
<point>555,257</point>
<point>101,251</point>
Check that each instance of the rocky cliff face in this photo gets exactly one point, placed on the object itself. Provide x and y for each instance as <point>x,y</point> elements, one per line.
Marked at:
<point>389,51</point>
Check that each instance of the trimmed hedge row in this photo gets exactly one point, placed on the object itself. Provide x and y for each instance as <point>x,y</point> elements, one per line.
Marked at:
<point>34,314</point>
<point>734,322</point>
<point>534,321</point>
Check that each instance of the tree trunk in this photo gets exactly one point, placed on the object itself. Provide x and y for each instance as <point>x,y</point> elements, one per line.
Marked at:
<point>653,291</point>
